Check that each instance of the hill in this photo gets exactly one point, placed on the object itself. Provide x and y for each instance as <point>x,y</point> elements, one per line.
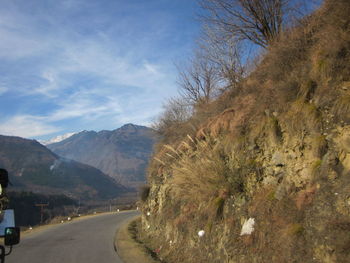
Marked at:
<point>32,167</point>
<point>122,154</point>
<point>265,177</point>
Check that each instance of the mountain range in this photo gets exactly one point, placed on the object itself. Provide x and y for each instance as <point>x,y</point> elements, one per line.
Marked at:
<point>122,154</point>
<point>33,167</point>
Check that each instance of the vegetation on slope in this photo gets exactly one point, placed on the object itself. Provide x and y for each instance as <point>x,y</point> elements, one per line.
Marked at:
<point>32,167</point>
<point>274,148</point>
<point>28,214</point>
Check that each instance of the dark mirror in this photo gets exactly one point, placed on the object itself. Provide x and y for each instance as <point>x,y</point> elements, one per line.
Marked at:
<point>12,236</point>
<point>4,178</point>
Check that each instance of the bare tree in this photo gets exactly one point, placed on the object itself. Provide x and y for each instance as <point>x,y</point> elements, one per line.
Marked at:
<point>225,54</point>
<point>259,21</point>
<point>199,82</point>
<point>176,112</point>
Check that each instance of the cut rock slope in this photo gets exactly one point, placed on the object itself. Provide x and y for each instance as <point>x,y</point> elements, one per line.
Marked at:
<point>268,179</point>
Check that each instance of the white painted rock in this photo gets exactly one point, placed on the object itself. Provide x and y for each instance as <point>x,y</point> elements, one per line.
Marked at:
<point>201,233</point>
<point>248,227</point>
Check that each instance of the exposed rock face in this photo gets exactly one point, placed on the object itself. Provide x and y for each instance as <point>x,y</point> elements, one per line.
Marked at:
<point>122,154</point>
<point>278,159</point>
<point>32,167</point>
<point>302,205</point>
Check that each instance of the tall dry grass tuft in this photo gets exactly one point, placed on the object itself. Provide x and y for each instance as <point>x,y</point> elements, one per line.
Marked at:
<point>200,173</point>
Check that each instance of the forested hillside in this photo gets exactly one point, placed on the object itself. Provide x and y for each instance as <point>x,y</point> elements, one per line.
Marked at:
<point>33,167</point>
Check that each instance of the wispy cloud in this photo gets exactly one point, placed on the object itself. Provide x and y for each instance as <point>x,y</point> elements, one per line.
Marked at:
<point>27,126</point>
<point>88,64</point>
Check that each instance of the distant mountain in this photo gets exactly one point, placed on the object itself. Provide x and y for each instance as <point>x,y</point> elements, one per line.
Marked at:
<point>33,167</point>
<point>58,138</point>
<point>122,153</point>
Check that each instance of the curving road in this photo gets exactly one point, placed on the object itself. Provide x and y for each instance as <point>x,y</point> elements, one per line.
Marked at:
<point>86,240</point>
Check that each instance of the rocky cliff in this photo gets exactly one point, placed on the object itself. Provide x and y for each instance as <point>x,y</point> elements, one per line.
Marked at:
<point>267,179</point>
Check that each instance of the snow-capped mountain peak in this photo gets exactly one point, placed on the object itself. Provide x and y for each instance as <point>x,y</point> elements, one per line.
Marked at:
<point>58,138</point>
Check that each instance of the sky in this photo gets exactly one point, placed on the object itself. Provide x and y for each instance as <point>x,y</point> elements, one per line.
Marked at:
<point>73,65</point>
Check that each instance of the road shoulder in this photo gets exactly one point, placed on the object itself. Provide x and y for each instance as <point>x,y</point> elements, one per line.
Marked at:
<point>128,249</point>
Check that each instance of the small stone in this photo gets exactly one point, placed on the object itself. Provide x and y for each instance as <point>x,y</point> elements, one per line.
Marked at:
<point>148,213</point>
<point>335,193</point>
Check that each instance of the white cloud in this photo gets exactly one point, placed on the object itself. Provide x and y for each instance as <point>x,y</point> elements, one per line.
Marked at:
<point>26,126</point>
<point>51,85</point>
<point>100,59</point>
<point>151,68</point>
<point>14,46</point>
<point>85,106</point>
<point>17,37</point>
<point>79,70</point>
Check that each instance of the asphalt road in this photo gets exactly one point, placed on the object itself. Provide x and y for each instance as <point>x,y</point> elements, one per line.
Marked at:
<point>87,240</point>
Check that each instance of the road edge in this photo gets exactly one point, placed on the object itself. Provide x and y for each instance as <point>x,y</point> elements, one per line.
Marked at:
<point>40,228</point>
<point>127,248</point>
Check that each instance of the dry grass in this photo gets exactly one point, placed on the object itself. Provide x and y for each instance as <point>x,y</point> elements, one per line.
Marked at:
<point>201,173</point>
<point>300,82</point>
<point>302,116</point>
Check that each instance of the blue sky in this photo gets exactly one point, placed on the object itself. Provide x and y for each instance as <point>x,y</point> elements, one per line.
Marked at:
<point>73,65</point>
